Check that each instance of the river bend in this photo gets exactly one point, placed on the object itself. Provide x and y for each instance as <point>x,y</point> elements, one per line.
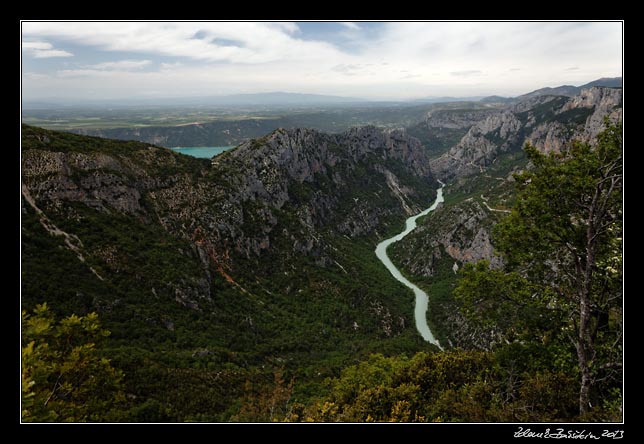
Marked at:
<point>420,311</point>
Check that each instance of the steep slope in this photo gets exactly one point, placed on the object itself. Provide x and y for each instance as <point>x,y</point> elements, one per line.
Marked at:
<point>211,274</point>
<point>479,170</point>
<point>546,121</point>
<point>444,127</point>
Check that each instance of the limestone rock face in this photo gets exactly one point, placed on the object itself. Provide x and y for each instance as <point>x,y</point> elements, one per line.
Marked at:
<point>96,180</point>
<point>455,119</point>
<point>461,231</point>
<point>548,122</point>
<point>355,182</point>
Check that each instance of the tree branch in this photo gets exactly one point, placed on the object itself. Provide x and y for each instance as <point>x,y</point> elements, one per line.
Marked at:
<point>54,390</point>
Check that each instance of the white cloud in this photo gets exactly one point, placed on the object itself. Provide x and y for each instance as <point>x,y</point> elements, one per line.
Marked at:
<point>175,65</point>
<point>52,53</point>
<point>105,69</point>
<point>235,42</point>
<point>36,45</point>
<point>81,73</point>
<point>121,65</point>
<point>348,69</point>
<point>351,25</point>
<point>43,50</point>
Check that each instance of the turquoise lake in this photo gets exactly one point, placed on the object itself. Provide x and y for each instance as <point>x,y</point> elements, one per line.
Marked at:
<point>202,151</point>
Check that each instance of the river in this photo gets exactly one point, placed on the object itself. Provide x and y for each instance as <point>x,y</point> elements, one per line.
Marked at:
<point>420,311</point>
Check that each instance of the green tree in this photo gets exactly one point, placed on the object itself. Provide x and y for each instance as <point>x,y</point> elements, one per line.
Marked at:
<point>563,248</point>
<point>64,377</point>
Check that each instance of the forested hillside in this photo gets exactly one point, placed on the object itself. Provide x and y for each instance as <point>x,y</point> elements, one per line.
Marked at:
<point>214,276</point>
<point>246,288</point>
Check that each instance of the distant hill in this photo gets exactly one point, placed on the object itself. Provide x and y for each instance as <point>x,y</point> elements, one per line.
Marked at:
<point>570,91</point>
<point>610,82</point>
<point>497,99</point>
<point>564,90</point>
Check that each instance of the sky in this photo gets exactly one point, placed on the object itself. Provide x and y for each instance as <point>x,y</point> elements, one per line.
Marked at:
<point>371,60</point>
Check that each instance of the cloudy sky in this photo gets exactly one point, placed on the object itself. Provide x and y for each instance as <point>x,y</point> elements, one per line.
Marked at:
<point>381,60</point>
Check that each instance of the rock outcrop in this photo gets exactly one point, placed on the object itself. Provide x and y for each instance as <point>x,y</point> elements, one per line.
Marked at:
<point>354,181</point>
<point>290,184</point>
<point>456,118</point>
<point>442,128</point>
<point>548,122</point>
<point>269,222</point>
<point>461,231</point>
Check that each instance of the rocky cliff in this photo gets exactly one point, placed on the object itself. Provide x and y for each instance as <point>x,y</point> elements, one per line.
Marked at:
<point>460,231</point>
<point>306,171</point>
<point>442,128</point>
<point>452,235</point>
<point>548,122</point>
<point>356,182</point>
<point>479,171</point>
<point>277,205</point>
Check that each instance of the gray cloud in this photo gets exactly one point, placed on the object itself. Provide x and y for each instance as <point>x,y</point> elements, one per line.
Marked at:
<point>347,69</point>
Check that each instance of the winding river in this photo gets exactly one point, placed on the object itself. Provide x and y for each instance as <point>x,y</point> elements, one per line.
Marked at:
<point>420,312</point>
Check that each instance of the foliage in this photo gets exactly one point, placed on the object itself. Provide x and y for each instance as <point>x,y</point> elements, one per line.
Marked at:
<point>545,111</point>
<point>437,141</point>
<point>189,340</point>
<point>420,247</point>
<point>64,376</point>
<point>562,245</point>
<point>506,301</point>
<point>455,386</point>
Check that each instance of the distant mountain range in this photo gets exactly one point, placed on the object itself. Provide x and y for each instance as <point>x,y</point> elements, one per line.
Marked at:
<point>308,100</point>
<point>610,82</point>
<point>297,99</point>
<point>563,90</point>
